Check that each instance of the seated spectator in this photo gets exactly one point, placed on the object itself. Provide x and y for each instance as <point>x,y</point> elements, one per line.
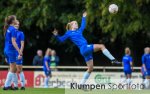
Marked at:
<point>54,60</point>
<point>38,59</point>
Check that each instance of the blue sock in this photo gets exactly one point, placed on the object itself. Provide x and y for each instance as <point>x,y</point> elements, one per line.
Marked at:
<point>22,79</point>
<point>107,54</point>
<point>85,77</point>
<point>8,79</point>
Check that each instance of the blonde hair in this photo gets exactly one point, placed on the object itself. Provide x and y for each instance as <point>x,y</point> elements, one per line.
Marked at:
<point>69,25</point>
<point>127,51</point>
<point>48,51</point>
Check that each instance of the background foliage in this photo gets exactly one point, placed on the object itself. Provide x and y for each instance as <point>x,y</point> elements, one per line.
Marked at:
<point>129,27</point>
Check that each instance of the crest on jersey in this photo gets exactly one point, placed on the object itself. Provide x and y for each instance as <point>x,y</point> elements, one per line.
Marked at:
<point>8,31</point>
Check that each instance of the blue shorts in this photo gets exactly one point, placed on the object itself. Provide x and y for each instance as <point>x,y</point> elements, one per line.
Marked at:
<point>87,52</point>
<point>10,56</point>
<point>47,73</point>
<point>18,61</point>
<point>126,72</point>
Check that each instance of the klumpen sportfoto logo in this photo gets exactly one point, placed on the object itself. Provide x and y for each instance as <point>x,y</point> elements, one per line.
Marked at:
<point>107,86</point>
<point>106,82</point>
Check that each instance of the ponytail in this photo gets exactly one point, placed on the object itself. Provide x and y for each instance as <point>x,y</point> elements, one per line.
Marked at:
<point>5,25</point>
<point>68,27</point>
<point>8,20</point>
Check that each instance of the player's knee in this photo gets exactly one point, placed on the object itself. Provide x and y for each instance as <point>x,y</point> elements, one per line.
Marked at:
<point>101,46</point>
<point>13,69</point>
<point>18,71</point>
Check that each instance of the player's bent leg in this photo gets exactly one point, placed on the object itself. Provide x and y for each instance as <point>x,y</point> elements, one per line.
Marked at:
<point>98,47</point>
<point>88,72</point>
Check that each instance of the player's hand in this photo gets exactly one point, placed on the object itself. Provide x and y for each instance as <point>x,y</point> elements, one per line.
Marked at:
<point>55,32</point>
<point>84,14</point>
<point>19,57</point>
<point>20,53</point>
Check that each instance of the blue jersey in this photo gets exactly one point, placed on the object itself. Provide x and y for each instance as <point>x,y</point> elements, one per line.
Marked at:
<point>146,60</point>
<point>75,36</point>
<point>10,33</point>
<point>46,60</point>
<point>20,37</point>
<point>127,59</point>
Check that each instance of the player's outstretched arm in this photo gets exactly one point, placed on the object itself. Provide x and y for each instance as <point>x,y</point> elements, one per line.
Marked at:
<point>83,23</point>
<point>60,38</point>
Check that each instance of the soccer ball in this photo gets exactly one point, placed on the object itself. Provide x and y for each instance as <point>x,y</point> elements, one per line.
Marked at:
<point>113,8</point>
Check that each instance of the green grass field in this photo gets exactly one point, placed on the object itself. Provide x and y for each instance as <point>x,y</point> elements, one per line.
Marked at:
<point>62,91</point>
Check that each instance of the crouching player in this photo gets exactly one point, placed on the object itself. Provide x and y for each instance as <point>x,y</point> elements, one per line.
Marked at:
<point>46,67</point>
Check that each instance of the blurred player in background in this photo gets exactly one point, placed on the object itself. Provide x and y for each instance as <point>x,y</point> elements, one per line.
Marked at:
<point>127,64</point>
<point>75,35</point>
<point>46,67</point>
<point>19,62</point>
<point>10,49</point>
<point>146,66</point>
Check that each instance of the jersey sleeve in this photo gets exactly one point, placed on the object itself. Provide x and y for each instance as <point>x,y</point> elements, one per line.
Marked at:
<point>83,24</point>
<point>143,60</point>
<point>62,38</point>
<point>14,33</point>
<point>22,36</point>
<point>131,60</point>
<point>122,60</point>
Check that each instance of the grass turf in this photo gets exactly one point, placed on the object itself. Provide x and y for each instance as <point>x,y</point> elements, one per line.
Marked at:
<point>68,91</point>
<point>35,91</point>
